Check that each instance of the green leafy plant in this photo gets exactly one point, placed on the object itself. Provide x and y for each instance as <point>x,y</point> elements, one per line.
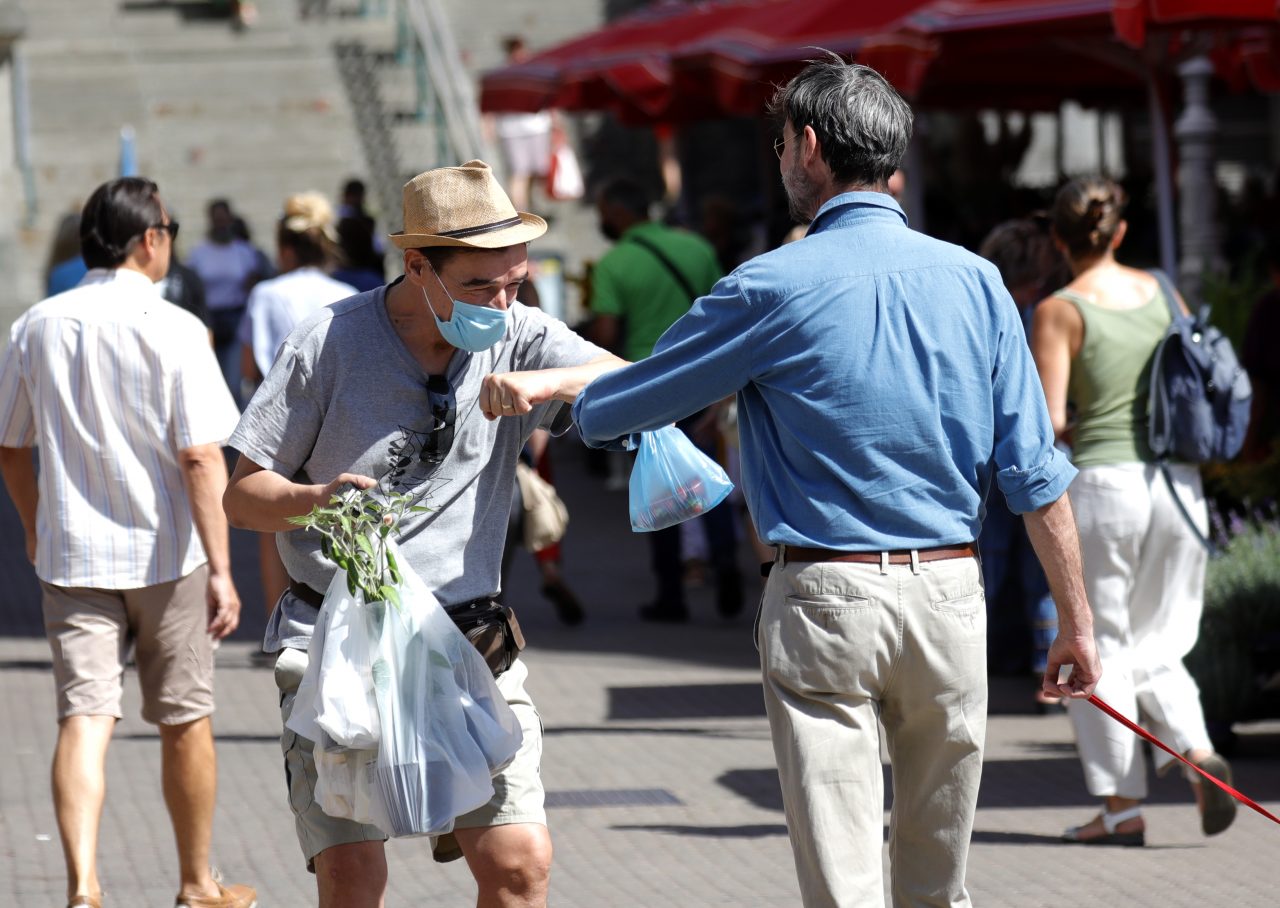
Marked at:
<point>355,529</point>
<point>1240,624</point>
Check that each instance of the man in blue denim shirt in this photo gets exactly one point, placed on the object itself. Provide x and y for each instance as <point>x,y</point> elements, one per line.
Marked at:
<point>883,381</point>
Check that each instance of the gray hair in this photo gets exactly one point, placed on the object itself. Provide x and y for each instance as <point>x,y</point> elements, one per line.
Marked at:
<point>862,123</point>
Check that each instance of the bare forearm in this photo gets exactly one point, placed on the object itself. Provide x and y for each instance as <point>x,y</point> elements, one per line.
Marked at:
<point>572,379</point>
<point>265,500</point>
<point>205,474</point>
<point>1056,540</point>
<point>18,468</point>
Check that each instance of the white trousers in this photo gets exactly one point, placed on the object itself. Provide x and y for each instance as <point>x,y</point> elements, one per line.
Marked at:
<point>844,648</point>
<point>1144,575</point>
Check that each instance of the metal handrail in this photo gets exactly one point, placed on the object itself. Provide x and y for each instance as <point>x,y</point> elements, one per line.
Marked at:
<point>448,81</point>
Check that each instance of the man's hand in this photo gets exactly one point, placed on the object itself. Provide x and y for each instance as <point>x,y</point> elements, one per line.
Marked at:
<point>224,605</point>
<point>335,486</point>
<point>517,393</point>
<point>1079,654</point>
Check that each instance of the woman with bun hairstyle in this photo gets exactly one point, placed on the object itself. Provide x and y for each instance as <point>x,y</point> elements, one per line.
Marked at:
<point>1093,343</point>
<point>307,249</point>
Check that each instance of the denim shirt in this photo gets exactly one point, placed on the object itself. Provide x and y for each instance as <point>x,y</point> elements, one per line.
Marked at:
<point>883,377</point>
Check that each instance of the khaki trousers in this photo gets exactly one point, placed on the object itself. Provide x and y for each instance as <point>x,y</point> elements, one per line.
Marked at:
<point>846,648</point>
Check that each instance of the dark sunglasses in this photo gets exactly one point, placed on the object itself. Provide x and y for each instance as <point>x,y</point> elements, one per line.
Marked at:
<point>171,228</point>
<point>444,414</point>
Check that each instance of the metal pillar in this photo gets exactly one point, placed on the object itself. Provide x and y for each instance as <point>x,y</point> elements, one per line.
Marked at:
<point>1164,179</point>
<point>1196,130</point>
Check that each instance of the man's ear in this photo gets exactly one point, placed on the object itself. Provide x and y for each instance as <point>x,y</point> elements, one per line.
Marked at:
<point>809,144</point>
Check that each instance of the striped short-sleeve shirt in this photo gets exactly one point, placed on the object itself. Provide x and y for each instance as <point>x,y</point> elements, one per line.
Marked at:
<point>110,381</point>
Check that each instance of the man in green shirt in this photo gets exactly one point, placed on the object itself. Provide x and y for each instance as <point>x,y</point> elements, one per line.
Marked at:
<point>638,289</point>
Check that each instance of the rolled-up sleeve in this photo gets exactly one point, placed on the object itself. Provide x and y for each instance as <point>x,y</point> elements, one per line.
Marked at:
<point>703,357</point>
<point>1029,469</point>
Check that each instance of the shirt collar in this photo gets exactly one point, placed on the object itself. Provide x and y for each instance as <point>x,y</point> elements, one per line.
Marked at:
<point>121,277</point>
<point>851,207</point>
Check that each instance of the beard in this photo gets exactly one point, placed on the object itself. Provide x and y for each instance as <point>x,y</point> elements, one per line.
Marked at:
<point>802,195</point>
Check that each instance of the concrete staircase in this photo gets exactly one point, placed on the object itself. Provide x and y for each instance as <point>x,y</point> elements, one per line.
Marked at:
<point>250,116</point>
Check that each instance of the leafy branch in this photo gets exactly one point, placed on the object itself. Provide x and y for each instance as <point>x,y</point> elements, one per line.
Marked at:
<point>354,530</point>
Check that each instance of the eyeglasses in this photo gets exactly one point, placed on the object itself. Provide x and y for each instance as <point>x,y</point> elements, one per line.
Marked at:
<point>780,144</point>
<point>171,228</point>
<point>444,414</point>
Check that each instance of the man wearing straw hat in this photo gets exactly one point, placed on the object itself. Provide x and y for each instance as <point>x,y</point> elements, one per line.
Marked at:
<point>399,388</point>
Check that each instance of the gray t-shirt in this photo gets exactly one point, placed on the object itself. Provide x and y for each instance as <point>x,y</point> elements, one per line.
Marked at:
<point>346,396</point>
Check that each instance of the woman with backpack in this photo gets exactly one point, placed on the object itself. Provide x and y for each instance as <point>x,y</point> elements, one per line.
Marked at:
<point>1144,567</point>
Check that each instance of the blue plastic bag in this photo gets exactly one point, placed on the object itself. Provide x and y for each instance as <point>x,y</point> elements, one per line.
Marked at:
<point>672,481</point>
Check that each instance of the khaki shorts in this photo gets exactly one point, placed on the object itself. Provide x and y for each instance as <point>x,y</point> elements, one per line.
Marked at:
<point>90,631</point>
<point>517,790</point>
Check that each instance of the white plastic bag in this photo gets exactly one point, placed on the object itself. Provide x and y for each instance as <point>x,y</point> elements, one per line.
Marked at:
<point>335,697</point>
<point>564,175</point>
<point>672,481</point>
<point>343,783</point>
<point>446,728</point>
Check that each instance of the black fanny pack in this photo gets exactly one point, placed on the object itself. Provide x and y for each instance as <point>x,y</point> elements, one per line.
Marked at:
<point>491,626</point>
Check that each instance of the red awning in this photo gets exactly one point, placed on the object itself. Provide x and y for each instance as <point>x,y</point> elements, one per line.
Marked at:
<point>678,62</point>
<point>628,66</point>
<point>1133,17</point>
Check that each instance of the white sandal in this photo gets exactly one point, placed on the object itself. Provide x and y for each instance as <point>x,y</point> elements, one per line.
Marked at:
<point>1110,822</point>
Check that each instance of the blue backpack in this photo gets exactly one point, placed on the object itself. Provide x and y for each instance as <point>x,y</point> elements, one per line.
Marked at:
<point>1200,394</point>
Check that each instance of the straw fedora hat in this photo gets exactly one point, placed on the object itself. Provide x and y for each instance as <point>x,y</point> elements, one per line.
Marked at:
<point>463,206</point>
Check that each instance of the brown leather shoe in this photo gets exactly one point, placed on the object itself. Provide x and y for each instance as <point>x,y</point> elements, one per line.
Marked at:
<point>233,896</point>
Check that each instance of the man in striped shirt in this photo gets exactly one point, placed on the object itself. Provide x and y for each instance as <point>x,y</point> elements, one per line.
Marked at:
<point>121,392</point>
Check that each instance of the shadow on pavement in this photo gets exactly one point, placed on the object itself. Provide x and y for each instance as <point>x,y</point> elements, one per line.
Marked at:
<point>757,831</point>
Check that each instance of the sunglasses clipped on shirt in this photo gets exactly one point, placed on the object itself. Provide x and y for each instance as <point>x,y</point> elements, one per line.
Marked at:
<point>444,414</point>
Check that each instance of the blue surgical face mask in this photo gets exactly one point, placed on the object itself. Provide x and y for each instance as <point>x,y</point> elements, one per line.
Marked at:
<point>471,328</point>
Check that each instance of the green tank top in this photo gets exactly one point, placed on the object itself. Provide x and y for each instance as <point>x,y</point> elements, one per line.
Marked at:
<point>1111,380</point>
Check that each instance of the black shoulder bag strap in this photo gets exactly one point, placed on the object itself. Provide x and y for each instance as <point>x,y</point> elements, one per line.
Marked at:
<point>668,264</point>
<point>1171,299</point>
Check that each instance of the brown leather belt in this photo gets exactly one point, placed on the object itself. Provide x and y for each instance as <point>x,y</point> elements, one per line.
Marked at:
<point>805,553</point>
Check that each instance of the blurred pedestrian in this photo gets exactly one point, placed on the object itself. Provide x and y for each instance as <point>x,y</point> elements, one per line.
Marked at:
<point>306,248</point>
<point>646,281</point>
<point>120,391</point>
<point>228,267</point>
<point>525,138</point>
<point>1144,567</point>
<point>883,384</point>
<point>1030,266</point>
<point>363,252</point>
<point>536,454</point>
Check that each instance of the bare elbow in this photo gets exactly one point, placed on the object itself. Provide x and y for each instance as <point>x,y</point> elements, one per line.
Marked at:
<point>233,507</point>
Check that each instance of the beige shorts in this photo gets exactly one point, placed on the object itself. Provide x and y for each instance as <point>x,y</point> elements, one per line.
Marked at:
<point>517,790</point>
<point>90,631</point>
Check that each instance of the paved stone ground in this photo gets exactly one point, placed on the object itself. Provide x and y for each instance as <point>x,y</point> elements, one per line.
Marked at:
<point>658,766</point>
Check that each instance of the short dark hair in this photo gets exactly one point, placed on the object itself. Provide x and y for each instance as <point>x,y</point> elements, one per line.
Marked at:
<point>219,203</point>
<point>353,187</point>
<point>862,124</point>
<point>439,256</point>
<point>628,193</point>
<point>115,216</point>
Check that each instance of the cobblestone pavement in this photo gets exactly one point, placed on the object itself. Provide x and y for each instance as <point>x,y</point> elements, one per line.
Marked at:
<point>658,766</point>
